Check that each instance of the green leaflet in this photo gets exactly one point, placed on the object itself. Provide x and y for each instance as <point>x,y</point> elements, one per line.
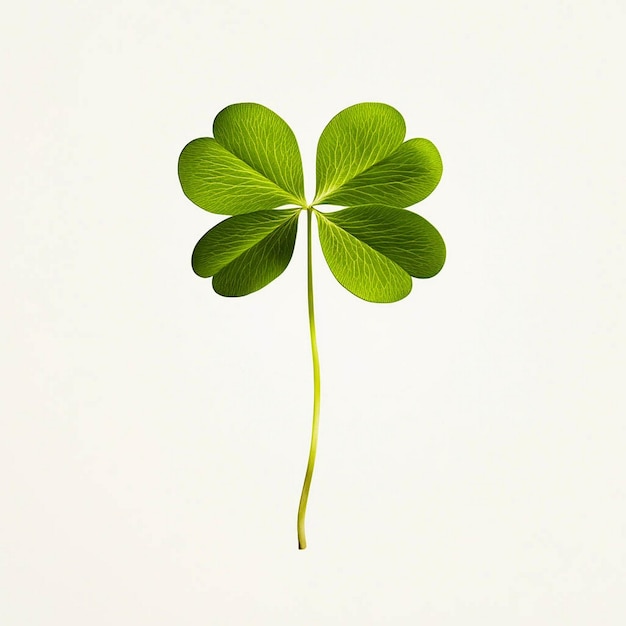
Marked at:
<point>405,177</point>
<point>246,252</point>
<point>265,142</point>
<point>354,140</point>
<point>361,160</point>
<point>360,268</point>
<point>253,163</point>
<point>404,237</point>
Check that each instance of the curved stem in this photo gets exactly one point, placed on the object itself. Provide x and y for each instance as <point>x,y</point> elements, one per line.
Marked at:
<point>316,392</point>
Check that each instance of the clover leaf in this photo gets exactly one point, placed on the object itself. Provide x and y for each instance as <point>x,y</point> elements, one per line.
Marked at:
<point>246,252</point>
<point>253,163</point>
<point>251,169</point>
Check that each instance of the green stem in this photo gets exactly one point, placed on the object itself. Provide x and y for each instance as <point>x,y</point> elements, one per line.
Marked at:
<point>316,392</point>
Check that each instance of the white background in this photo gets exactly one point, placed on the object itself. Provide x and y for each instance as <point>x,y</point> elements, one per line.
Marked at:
<point>153,435</point>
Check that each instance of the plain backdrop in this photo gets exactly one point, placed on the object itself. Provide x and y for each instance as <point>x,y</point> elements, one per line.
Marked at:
<point>154,435</point>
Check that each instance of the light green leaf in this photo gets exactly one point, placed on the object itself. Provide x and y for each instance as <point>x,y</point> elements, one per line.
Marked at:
<point>246,252</point>
<point>265,142</point>
<point>252,164</point>
<point>361,160</point>
<point>362,270</point>
<point>402,236</point>
<point>353,141</point>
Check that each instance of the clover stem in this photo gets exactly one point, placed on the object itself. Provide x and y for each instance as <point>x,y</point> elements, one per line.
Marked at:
<point>316,392</point>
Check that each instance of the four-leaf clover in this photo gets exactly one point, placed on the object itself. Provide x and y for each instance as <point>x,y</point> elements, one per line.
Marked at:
<point>251,170</point>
